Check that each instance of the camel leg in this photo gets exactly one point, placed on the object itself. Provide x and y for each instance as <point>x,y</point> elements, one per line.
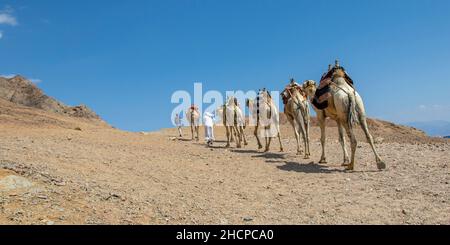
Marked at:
<point>257,137</point>
<point>197,128</point>
<point>380,164</point>
<point>232,134</point>
<point>305,141</point>
<point>321,119</point>
<point>268,141</point>
<point>307,121</point>
<point>240,135</point>
<point>279,138</point>
<point>307,137</point>
<point>297,136</point>
<point>301,124</point>
<point>192,131</point>
<point>228,136</point>
<point>343,143</point>
<point>243,136</point>
<point>354,144</point>
<point>237,137</point>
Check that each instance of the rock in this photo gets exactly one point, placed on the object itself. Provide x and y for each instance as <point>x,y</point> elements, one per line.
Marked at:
<point>379,140</point>
<point>12,182</point>
<point>78,129</point>
<point>115,196</point>
<point>46,221</point>
<point>248,219</point>
<point>62,183</point>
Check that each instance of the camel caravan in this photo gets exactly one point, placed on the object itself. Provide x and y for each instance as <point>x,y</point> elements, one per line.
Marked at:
<point>333,97</point>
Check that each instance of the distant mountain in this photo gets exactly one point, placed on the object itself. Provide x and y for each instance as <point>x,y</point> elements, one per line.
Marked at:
<point>21,91</point>
<point>433,128</point>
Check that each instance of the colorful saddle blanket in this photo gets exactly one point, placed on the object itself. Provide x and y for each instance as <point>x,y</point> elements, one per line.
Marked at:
<point>286,95</point>
<point>323,92</point>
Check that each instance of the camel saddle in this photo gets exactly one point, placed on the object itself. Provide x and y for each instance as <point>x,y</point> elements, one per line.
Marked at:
<point>323,92</point>
<point>286,95</point>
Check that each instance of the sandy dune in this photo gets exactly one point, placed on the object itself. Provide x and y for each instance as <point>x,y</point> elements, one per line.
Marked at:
<point>63,170</point>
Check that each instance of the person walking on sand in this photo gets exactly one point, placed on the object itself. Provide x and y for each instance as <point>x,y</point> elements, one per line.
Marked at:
<point>208,121</point>
<point>179,124</point>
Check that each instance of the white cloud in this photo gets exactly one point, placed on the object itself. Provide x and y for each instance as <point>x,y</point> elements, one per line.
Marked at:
<point>434,107</point>
<point>8,75</point>
<point>7,18</point>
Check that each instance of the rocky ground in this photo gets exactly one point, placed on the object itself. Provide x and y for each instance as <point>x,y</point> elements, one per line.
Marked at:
<point>63,170</point>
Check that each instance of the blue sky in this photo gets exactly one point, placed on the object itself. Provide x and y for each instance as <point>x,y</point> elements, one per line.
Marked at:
<point>124,59</point>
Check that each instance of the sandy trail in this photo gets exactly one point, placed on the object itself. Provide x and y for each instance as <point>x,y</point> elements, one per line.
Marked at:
<point>105,176</point>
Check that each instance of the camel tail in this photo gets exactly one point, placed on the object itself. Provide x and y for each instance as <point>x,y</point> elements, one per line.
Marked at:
<point>352,112</point>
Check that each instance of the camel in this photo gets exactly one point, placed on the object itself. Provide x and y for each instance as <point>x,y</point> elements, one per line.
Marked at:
<point>234,122</point>
<point>297,112</point>
<point>193,117</point>
<point>265,104</point>
<point>346,107</point>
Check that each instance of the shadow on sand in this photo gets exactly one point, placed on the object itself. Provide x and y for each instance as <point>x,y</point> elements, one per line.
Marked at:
<point>217,147</point>
<point>220,141</point>
<point>269,155</point>
<point>184,139</point>
<point>245,151</point>
<point>308,168</point>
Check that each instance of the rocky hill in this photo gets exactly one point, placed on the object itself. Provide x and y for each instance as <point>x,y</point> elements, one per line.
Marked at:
<point>21,91</point>
<point>387,131</point>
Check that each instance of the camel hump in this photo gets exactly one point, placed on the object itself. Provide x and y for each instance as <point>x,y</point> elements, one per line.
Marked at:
<point>341,73</point>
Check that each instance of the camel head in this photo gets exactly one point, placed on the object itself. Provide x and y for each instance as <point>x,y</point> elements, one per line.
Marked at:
<point>338,72</point>
<point>309,86</point>
<point>232,101</point>
<point>265,95</point>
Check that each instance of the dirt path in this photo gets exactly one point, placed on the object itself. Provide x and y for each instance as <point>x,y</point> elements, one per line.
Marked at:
<point>101,175</point>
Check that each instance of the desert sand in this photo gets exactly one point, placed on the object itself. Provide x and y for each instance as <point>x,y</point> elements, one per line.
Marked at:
<point>57,169</point>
